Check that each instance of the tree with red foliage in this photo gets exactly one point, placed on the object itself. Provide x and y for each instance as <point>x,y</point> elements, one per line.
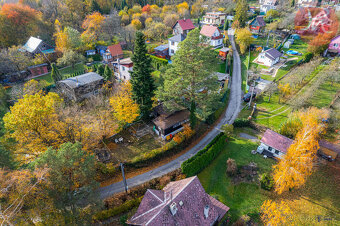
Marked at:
<point>146,9</point>
<point>17,23</point>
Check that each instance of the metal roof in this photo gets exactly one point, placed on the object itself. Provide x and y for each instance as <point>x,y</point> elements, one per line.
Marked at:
<point>162,47</point>
<point>32,44</point>
<point>81,80</point>
<point>177,38</point>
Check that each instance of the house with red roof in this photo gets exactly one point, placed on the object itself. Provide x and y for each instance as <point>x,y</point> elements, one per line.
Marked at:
<point>113,53</point>
<point>183,202</point>
<point>183,27</point>
<point>214,35</point>
<point>257,25</point>
<point>334,45</point>
<point>274,144</point>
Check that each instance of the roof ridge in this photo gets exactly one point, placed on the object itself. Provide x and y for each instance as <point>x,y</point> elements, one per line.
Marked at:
<point>165,201</point>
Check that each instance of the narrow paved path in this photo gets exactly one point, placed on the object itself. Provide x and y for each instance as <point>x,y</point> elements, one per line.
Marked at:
<point>234,107</point>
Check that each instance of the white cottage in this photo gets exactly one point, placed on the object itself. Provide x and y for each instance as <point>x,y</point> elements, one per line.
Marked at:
<point>123,68</point>
<point>173,43</point>
<point>274,144</point>
<point>214,35</point>
<point>269,57</point>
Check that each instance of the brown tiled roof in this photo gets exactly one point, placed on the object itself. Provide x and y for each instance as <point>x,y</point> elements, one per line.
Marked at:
<point>115,50</point>
<point>166,121</point>
<point>190,199</point>
<point>208,30</point>
<point>276,140</point>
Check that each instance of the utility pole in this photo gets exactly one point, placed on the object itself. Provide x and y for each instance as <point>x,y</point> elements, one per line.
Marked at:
<point>252,91</point>
<point>123,174</point>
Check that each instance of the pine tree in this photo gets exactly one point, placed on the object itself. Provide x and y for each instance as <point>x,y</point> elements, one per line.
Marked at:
<point>100,70</point>
<point>107,73</point>
<point>55,74</point>
<point>189,82</point>
<point>143,86</point>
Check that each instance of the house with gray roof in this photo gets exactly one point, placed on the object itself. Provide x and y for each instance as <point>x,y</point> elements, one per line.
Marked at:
<point>173,43</point>
<point>36,46</point>
<point>182,202</point>
<point>80,87</point>
<point>269,57</point>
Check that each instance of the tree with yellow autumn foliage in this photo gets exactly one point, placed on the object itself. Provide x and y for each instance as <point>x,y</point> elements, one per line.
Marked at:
<point>92,25</point>
<point>183,135</point>
<point>275,213</point>
<point>243,38</point>
<point>125,110</point>
<point>33,122</point>
<point>284,90</point>
<point>297,164</point>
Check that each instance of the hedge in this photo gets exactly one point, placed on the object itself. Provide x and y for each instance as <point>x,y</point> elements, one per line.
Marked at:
<point>203,158</point>
<point>125,207</point>
<point>158,62</point>
<point>241,123</point>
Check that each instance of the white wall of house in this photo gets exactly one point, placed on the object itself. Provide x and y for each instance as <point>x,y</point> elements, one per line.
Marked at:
<point>266,61</point>
<point>276,153</point>
<point>173,47</point>
<point>216,43</point>
<point>124,72</point>
<point>266,8</point>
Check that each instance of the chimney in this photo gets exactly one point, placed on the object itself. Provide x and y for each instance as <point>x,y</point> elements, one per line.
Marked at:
<point>173,208</point>
<point>206,212</point>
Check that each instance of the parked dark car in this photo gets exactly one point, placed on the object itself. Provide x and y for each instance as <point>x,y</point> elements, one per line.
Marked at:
<point>246,97</point>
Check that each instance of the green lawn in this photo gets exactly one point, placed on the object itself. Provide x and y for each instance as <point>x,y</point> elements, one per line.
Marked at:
<point>269,113</point>
<point>325,94</point>
<point>66,72</point>
<point>318,197</point>
<point>243,198</point>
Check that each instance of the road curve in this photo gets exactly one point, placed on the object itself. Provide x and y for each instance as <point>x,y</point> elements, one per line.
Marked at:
<point>234,107</point>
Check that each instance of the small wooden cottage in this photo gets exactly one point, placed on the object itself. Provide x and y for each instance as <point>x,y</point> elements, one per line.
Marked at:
<point>223,53</point>
<point>166,125</point>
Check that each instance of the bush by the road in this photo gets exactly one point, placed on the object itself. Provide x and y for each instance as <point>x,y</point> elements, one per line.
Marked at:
<point>241,123</point>
<point>203,158</point>
<point>126,206</point>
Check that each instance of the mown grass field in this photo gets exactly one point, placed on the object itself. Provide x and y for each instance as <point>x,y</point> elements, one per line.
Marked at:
<point>319,197</point>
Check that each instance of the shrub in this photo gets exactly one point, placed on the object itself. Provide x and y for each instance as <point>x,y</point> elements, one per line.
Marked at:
<point>231,167</point>
<point>267,181</point>
<point>126,206</point>
<point>228,130</point>
<point>241,123</point>
<point>158,62</point>
<point>308,57</point>
<point>203,158</point>
<point>123,219</point>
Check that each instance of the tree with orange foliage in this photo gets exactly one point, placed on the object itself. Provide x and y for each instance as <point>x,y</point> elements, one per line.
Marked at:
<point>17,23</point>
<point>320,43</point>
<point>297,164</point>
<point>274,214</point>
<point>185,134</point>
<point>125,110</point>
<point>92,25</point>
<point>146,9</point>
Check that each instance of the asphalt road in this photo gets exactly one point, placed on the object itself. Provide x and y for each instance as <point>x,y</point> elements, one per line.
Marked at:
<point>234,107</point>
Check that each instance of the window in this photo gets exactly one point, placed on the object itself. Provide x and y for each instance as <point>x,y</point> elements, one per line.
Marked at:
<point>172,43</point>
<point>172,51</point>
<point>270,149</point>
<point>123,68</point>
<point>277,152</point>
